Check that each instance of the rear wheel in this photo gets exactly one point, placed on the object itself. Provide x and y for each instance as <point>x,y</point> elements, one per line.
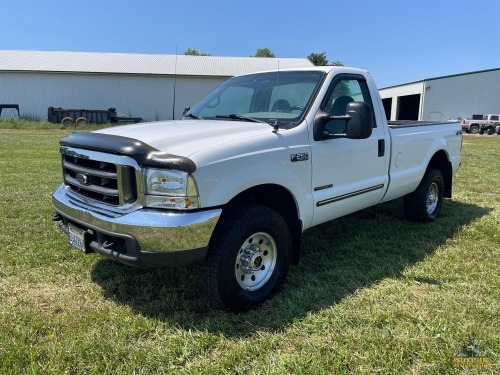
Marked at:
<point>81,121</point>
<point>490,131</point>
<point>424,204</point>
<point>474,129</point>
<point>248,259</point>
<point>498,130</point>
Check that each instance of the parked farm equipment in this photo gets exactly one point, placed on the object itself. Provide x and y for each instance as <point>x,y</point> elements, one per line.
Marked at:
<point>68,117</point>
<point>10,106</point>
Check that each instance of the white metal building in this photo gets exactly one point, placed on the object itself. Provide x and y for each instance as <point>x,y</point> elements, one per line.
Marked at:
<point>137,85</point>
<point>444,98</point>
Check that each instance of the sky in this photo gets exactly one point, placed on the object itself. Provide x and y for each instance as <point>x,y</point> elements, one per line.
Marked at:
<point>396,41</point>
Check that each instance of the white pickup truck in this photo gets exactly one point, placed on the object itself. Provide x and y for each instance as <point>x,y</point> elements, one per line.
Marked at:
<point>486,124</point>
<point>237,181</point>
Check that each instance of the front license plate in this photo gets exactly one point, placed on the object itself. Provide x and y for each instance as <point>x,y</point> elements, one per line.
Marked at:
<point>76,238</point>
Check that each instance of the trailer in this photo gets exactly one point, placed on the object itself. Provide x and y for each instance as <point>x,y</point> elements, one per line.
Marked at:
<point>68,117</point>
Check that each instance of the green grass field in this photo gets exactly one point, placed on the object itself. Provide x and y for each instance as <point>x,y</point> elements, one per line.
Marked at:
<point>372,294</point>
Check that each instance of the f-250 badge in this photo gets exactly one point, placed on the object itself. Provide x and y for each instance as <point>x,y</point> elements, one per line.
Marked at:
<point>299,157</point>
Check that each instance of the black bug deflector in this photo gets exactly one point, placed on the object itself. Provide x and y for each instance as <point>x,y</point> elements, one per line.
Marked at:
<point>144,154</point>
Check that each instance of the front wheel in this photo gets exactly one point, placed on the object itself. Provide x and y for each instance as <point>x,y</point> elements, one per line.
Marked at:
<point>248,258</point>
<point>67,121</point>
<point>490,131</point>
<point>424,204</point>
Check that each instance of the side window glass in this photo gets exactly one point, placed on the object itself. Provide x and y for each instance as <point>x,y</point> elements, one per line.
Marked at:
<point>344,92</point>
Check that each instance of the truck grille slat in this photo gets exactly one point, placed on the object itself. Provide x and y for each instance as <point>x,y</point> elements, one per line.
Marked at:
<point>102,181</point>
<point>78,168</point>
<point>95,188</point>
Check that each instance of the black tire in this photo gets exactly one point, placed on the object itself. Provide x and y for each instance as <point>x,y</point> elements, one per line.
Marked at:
<point>498,130</point>
<point>67,121</point>
<point>424,204</point>
<point>474,129</point>
<point>248,258</point>
<point>81,121</point>
<point>481,132</point>
<point>490,131</point>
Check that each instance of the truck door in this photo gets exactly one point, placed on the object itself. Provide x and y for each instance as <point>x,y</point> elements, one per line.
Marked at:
<point>348,174</point>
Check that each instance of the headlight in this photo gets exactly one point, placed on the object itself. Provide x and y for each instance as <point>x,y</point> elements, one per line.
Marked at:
<point>170,189</point>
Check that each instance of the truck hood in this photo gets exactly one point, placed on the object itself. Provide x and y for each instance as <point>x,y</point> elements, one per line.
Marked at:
<point>187,137</point>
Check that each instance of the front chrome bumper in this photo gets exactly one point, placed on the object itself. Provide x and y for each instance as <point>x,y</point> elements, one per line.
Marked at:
<point>143,237</point>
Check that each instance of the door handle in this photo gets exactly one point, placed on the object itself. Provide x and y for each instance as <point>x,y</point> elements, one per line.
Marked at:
<point>381,147</point>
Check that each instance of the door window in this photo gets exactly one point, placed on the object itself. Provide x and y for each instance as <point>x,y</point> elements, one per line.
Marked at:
<point>341,93</point>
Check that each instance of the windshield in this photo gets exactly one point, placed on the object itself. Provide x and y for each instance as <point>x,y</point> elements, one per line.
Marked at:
<point>277,97</point>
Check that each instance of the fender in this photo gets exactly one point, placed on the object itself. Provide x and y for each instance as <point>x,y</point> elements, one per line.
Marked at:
<point>219,183</point>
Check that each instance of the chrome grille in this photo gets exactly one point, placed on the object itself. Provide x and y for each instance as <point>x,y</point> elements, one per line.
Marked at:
<point>100,180</point>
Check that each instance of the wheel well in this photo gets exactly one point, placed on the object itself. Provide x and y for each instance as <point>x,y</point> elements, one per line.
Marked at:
<point>440,161</point>
<point>282,201</point>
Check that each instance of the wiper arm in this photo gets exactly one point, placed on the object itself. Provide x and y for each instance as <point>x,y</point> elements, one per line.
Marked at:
<point>193,116</point>
<point>235,116</point>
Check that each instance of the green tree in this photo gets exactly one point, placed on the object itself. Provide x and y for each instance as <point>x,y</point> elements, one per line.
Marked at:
<point>194,52</point>
<point>264,52</point>
<point>319,59</point>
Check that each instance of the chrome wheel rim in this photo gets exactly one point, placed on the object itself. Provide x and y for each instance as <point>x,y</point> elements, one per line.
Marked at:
<point>432,198</point>
<point>255,261</point>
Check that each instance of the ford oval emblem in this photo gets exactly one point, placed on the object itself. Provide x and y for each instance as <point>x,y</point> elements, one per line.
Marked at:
<point>83,178</point>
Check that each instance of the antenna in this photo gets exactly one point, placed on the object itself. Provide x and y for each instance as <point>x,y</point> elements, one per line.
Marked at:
<point>175,84</point>
<point>275,125</point>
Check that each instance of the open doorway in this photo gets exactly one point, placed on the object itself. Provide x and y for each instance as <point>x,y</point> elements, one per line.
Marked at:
<point>408,107</point>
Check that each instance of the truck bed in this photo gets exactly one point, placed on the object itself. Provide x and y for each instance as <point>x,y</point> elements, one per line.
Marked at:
<point>413,143</point>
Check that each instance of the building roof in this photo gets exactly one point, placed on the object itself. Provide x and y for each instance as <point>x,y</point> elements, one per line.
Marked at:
<point>441,77</point>
<point>132,63</point>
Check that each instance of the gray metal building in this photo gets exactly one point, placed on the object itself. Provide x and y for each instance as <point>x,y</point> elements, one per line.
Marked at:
<point>444,98</point>
<point>137,85</point>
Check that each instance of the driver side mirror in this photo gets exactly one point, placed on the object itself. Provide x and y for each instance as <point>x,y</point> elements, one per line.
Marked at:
<point>356,124</point>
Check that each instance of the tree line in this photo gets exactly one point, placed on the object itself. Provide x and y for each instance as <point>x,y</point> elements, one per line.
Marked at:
<point>318,59</point>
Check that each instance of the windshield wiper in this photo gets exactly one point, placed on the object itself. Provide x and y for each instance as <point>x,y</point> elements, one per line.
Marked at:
<point>193,116</point>
<point>235,116</point>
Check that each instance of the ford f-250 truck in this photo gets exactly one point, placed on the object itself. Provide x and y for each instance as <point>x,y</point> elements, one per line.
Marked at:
<point>237,181</point>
